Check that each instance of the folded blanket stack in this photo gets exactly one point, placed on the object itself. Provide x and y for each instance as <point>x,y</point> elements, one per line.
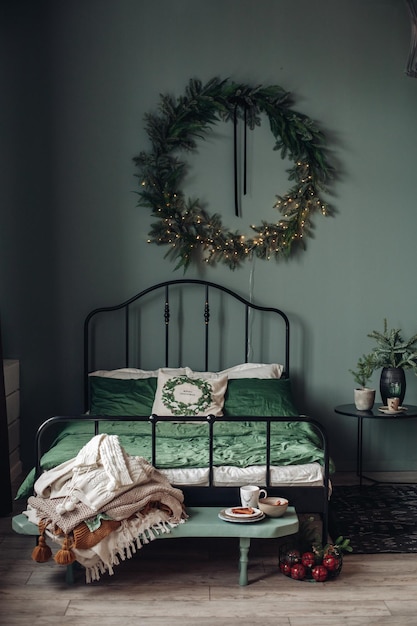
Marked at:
<point>102,506</point>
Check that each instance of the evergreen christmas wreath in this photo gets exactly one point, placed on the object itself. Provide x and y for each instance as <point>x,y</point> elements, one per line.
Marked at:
<point>176,406</point>
<point>183,224</point>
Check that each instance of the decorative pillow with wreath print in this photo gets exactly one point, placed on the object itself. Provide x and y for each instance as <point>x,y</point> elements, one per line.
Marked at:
<point>189,395</point>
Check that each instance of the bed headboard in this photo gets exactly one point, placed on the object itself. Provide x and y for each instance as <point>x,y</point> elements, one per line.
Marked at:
<point>165,323</point>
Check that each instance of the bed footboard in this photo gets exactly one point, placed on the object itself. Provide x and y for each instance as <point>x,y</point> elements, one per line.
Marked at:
<point>305,499</point>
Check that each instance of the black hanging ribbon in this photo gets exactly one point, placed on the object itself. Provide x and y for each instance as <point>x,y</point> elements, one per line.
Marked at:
<point>245,163</point>
<point>235,160</point>
<point>245,145</point>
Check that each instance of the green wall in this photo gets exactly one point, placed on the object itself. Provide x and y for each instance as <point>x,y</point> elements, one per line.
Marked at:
<point>79,76</point>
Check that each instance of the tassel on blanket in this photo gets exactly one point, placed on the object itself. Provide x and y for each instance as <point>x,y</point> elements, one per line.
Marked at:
<point>42,553</point>
<point>65,556</point>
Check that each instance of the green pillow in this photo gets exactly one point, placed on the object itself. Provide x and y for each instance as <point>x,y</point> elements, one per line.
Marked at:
<point>249,397</point>
<point>114,396</point>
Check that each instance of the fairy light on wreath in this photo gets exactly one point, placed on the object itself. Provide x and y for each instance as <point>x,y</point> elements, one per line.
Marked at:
<point>183,224</point>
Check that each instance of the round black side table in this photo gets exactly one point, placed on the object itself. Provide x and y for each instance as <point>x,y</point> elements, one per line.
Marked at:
<point>410,411</point>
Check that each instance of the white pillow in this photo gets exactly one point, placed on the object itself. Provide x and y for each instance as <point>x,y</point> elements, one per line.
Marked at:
<point>189,395</point>
<point>245,370</point>
<point>131,372</point>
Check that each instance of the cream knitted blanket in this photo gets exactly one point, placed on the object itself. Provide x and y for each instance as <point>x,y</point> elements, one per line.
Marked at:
<point>90,483</point>
<point>101,471</point>
<point>156,489</point>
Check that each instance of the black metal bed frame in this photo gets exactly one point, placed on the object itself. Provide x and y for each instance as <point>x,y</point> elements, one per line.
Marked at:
<point>306,499</point>
<point>206,317</point>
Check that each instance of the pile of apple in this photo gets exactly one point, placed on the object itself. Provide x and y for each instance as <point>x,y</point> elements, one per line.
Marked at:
<point>317,564</point>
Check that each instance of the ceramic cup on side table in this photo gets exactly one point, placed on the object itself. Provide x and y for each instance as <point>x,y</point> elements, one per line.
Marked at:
<point>393,404</point>
<point>250,494</point>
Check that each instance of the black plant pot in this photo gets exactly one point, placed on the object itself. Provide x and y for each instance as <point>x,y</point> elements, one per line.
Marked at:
<point>392,377</point>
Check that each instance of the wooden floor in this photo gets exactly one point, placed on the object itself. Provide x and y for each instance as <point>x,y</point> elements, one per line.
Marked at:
<point>195,582</point>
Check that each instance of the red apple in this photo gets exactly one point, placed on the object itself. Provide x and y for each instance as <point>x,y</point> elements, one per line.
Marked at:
<point>331,562</point>
<point>319,573</point>
<point>298,571</point>
<point>308,559</point>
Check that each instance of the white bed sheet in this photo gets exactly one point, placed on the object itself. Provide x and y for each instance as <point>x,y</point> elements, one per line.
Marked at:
<point>308,474</point>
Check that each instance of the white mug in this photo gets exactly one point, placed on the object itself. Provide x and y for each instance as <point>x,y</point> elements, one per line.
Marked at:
<point>250,494</point>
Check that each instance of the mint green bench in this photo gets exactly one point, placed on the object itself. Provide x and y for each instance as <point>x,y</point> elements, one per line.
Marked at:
<point>204,522</point>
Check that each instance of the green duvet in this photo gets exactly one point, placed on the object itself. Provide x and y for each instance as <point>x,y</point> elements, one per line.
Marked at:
<point>185,445</point>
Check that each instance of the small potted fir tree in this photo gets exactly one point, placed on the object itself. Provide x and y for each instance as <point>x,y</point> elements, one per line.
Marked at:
<point>364,396</point>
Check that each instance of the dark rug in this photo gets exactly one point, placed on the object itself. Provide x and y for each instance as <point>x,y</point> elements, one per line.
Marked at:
<point>377,518</point>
